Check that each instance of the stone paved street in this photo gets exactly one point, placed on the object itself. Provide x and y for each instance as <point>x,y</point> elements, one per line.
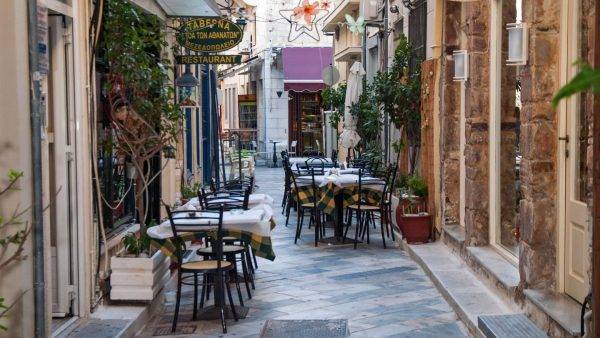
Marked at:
<point>381,292</point>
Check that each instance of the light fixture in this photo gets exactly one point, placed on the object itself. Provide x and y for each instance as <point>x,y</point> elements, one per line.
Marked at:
<point>461,65</point>
<point>517,44</point>
<point>187,88</point>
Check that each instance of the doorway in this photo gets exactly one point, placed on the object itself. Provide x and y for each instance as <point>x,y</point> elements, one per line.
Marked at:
<point>306,122</point>
<point>574,144</point>
<point>61,167</point>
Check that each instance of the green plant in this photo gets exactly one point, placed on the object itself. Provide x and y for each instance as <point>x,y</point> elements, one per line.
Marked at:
<point>417,185</point>
<point>136,245</point>
<point>587,78</point>
<point>190,190</point>
<point>397,92</point>
<point>334,97</point>
<point>13,234</point>
<point>369,118</point>
<point>137,86</point>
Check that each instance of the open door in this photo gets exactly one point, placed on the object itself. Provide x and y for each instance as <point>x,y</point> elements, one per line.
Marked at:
<point>575,145</point>
<point>61,165</point>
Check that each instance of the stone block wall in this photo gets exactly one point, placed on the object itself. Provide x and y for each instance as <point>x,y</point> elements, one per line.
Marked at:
<point>477,17</point>
<point>450,119</point>
<point>539,135</point>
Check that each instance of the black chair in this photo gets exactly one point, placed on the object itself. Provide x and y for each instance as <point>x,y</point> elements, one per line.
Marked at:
<point>214,271</point>
<point>231,200</point>
<point>365,209</point>
<point>311,206</point>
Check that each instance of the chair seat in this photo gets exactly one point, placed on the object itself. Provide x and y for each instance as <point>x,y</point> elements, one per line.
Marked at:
<point>364,207</point>
<point>229,239</point>
<point>308,205</point>
<point>207,265</point>
<point>227,249</point>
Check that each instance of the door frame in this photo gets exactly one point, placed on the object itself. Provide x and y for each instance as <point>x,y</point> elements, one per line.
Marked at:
<point>73,122</point>
<point>569,48</point>
<point>496,30</point>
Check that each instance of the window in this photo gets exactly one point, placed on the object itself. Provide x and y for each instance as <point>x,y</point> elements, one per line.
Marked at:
<point>417,29</point>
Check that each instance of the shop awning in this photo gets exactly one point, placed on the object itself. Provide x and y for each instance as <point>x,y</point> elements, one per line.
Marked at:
<point>302,67</point>
<point>190,7</point>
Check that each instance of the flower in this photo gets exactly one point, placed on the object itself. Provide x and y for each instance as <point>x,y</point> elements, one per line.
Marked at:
<point>326,4</point>
<point>306,11</point>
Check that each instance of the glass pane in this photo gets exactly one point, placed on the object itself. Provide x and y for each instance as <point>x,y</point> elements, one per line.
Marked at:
<point>510,150</point>
<point>311,123</point>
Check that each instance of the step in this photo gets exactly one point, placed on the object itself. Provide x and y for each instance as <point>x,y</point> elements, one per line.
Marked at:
<point>454,234</point>
<point>465,292</point>
<point>559,307</point>
<point>508,326</point>
<point>499,270</point>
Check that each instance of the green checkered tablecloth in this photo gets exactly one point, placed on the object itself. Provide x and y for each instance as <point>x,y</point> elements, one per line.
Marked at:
<point>327,193</point>
<point>261,244</point>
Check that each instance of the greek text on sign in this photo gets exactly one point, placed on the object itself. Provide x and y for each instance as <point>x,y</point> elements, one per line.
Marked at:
<point>209,34</point>
<point>208,59</point>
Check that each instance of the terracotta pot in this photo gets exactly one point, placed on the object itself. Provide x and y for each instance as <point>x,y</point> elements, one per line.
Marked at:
<point>415,228</point>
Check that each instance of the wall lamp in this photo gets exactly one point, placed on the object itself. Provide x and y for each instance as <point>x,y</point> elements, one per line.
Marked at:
<point>461,65</point>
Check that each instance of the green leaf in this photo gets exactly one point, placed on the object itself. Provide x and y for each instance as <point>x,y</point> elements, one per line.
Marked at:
<point>587,78</point>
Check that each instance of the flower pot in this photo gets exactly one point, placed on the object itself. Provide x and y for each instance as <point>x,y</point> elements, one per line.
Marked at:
<point>138,278</point>
<point>416,228</point>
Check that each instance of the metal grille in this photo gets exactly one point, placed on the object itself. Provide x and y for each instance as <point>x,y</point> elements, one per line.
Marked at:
<point>417,30</point>
<point>305,328</point>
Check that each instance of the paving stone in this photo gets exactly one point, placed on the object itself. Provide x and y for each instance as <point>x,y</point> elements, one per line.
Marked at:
<point>380,292</point>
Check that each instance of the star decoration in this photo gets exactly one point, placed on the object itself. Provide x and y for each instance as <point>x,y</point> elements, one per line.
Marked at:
<point>303,18</point>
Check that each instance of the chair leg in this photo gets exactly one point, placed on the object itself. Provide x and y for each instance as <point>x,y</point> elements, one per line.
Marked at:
<point>299,225</point>
<point>237,281</point>
<point>231,304</point>
<point>246,276</point>
<point>204,282</point>
<point>317,218</point>
<point>358,225</point>
<point>194,312</point>
<point>254,258</point>
<point>176,315</point>
<point>391,224</point>
<point>383,233</point>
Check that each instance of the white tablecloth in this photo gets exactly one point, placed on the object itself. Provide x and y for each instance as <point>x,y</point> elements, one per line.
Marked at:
<point>341,180</point>
<point>253,201</point>
<point>256,220</point>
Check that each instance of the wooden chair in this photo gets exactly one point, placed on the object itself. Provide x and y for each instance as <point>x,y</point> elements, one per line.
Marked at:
<point>214,271</point>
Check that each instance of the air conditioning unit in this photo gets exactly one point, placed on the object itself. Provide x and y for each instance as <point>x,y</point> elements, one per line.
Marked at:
<point>369,9</point>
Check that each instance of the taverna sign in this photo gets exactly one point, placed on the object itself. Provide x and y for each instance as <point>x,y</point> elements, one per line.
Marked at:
<point>209,35</point>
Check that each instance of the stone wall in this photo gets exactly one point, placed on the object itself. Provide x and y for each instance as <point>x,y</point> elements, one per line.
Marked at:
<point>450,119</point>
<point>477,16</point>
<point>538,209</point>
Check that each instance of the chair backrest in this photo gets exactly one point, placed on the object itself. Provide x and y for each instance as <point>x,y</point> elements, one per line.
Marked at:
<point>293,146</point>
<point>392,173</point>
<point>208,223</point>
<point>370,186</point>
<point>227,199</point>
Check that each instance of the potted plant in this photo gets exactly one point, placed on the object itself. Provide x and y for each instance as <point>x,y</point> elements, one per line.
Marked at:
<point>411,213</point>
<point>137,275</point>
<point>189,191</point>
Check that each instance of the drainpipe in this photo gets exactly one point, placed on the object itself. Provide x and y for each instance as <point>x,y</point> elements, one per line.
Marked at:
<point>385,44</point>
<point>36,155</point>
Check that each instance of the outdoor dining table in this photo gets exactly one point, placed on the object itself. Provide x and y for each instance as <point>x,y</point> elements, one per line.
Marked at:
<point>339,188</point>
<point>252,226</point>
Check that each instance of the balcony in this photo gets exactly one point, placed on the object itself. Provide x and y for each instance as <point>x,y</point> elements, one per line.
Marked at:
<point>345,7</point>
<point>347,46</point>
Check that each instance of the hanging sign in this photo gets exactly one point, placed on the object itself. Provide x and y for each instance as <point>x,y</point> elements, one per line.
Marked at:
<point>209,34</point>
<point>212,59</point>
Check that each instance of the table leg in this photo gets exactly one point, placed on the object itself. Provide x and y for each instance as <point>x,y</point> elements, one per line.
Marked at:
<point>338,238</point>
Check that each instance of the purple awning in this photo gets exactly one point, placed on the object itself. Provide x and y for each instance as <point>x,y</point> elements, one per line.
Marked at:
<point>302,67</point>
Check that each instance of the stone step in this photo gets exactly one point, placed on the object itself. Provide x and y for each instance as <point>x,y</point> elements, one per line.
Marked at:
<point>508,326</point>
<point>469,296</point>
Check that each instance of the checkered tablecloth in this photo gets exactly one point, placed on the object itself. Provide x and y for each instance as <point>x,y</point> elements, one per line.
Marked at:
<point>326,196</point>
<point>261,245</point>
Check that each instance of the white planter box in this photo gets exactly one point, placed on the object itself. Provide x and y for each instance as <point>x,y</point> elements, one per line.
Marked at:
<point>138,278</point>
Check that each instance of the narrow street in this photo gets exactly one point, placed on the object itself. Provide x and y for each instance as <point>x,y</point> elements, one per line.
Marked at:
<point>381,292</point>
